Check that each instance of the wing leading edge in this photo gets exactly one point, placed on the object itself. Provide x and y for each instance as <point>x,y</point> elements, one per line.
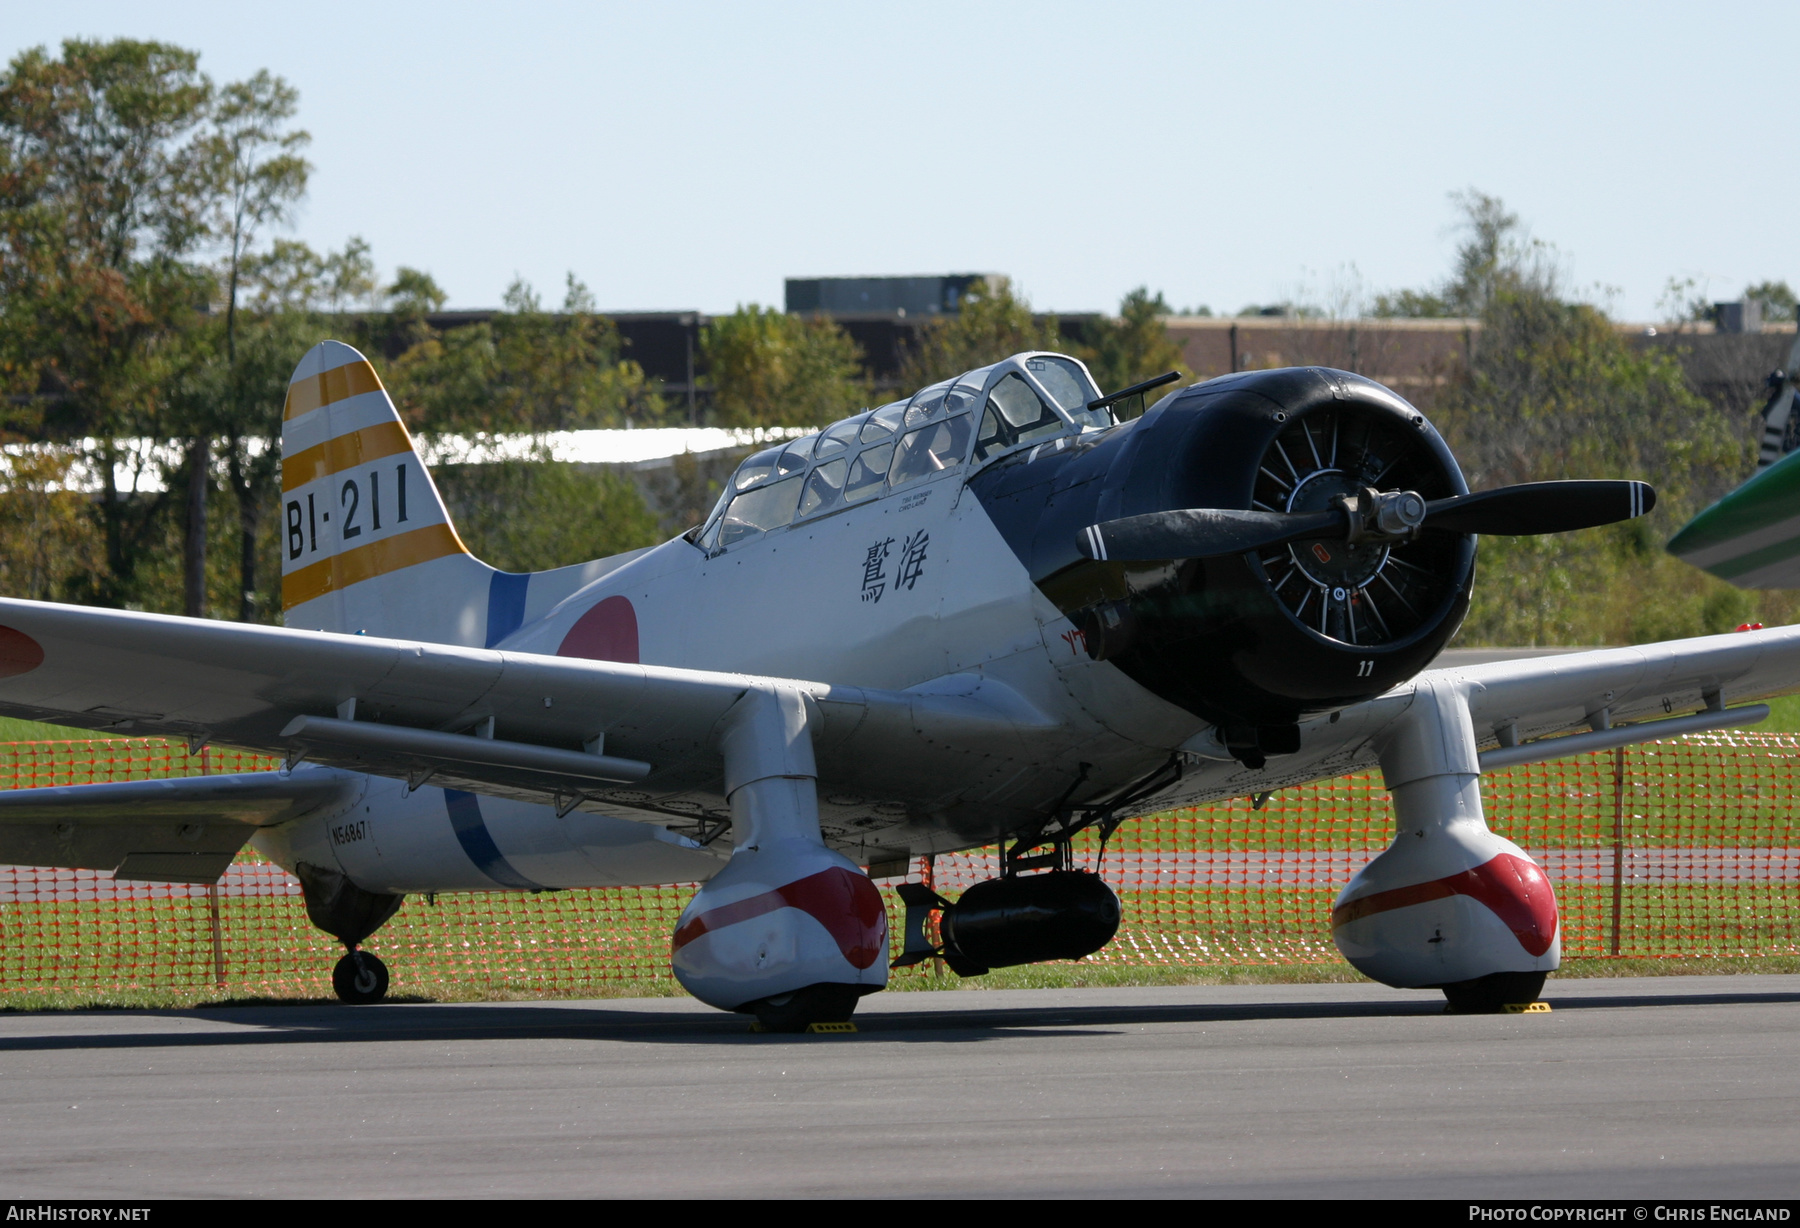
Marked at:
<point>509,724</point>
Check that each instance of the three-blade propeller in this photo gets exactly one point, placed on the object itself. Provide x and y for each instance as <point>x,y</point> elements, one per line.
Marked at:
<point>1372,516</point>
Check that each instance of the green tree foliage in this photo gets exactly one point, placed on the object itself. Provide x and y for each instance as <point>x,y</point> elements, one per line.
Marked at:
<point>254,175</point>
<point>143,299</point>
<point>769,368</point>
<point>103,201</point>
<point>991,324</point>
<point>1285,310</point>
<point>1777,299</point>
<point>1496,256</point>
<point>528,370</point>
<point>48,546</point>
<point>1553,390</point>
<point>1135,347</point>
<point>535,515</point>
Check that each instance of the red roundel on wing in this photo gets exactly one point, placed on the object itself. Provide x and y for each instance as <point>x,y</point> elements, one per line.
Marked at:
<point>19,653</point>
<point>608,632</point>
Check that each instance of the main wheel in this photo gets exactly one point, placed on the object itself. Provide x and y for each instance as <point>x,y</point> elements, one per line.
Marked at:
<point>360,977</point>
<point>1489,995</point>
<point>792,1012</point>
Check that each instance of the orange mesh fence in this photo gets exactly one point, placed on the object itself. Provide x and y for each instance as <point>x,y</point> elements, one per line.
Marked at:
<point>1667,849</point>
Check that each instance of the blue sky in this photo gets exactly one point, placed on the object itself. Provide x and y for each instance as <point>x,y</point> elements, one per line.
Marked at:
<point>694,155</point>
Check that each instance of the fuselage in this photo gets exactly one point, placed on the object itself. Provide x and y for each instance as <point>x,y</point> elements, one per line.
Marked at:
<point>930,546</point>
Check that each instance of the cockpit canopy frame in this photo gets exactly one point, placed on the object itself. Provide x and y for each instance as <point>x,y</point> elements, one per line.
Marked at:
<point>955,424</point>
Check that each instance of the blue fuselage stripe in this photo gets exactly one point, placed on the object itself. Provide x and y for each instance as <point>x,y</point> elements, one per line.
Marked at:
<point>472,833</point>
<point>506,604</point>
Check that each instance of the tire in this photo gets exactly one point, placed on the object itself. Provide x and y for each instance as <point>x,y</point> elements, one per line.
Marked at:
<point>792,1012</point>
<point>1488,995</point>
<point>360,978</point>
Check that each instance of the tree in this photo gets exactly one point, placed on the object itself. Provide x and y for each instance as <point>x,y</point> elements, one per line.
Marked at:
<point>769,368</point>
<point>285,292</point>
<point>47,538</point>
<point>1554,391</point>
<point>1136,346</point>
<point>415,293</point>
<point>1496,255</point>
<point>538,514</point>
<point>527,370</point>
<point>1777,300</point>
<point>102,202</point>
<point>991,324</point>
<point>256,174</point>
<point>565,371</point>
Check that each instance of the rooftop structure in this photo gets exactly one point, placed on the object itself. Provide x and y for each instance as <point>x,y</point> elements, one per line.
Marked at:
<point>900,297</point>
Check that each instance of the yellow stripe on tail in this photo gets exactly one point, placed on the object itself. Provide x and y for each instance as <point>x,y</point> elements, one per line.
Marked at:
<point>367,545</point>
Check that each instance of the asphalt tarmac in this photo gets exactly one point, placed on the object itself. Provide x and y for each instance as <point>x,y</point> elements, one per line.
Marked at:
<point>1677,1087</point>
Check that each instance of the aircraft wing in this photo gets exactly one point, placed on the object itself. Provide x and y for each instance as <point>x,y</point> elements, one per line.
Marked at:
<point>1529,702</point>
<point>509,724</point>
<point>1544,695</point>
<point>1751,537</point>
<point>182,831</point>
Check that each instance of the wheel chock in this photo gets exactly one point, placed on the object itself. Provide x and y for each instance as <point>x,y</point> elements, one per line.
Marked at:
<point>1527,1008</point>
<point>814,1029</point>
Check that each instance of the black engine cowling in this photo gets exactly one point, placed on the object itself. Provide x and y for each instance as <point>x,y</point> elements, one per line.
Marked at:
<point>1252,642</point>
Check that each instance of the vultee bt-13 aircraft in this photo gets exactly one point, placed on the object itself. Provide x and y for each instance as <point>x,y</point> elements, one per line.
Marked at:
<point>989,612</point>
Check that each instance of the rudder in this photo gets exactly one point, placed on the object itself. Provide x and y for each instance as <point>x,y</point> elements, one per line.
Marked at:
<point>367,545</point>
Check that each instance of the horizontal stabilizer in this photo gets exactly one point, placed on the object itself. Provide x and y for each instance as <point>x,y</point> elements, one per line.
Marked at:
<point>167,831</point>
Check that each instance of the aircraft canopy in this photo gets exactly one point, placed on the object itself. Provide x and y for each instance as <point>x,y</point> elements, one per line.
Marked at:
<point>954,423</point>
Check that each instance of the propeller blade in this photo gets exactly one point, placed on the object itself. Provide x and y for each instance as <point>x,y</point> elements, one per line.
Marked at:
<point>1540,507</point>
<point>1510,511</point>
<point>1201,532</point>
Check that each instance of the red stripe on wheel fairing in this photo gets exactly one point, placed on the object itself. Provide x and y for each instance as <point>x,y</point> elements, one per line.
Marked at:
<point>844,902</point>
<point>1513,887</point>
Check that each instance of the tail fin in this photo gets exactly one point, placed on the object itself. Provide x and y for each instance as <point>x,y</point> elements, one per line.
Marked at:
<point>366,544</point>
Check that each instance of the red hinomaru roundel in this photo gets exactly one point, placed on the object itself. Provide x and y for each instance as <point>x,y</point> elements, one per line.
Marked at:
<point>608,632</point>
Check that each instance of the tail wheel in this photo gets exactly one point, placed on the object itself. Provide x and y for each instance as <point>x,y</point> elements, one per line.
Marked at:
<point>360,978</point>
<point>1368,593</point>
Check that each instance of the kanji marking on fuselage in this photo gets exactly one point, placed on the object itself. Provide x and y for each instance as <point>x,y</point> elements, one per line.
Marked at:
<point>874,581</point>
<point>912,560</point>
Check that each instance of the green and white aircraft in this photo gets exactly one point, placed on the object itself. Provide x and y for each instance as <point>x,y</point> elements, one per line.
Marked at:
<point>1751,537</point>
